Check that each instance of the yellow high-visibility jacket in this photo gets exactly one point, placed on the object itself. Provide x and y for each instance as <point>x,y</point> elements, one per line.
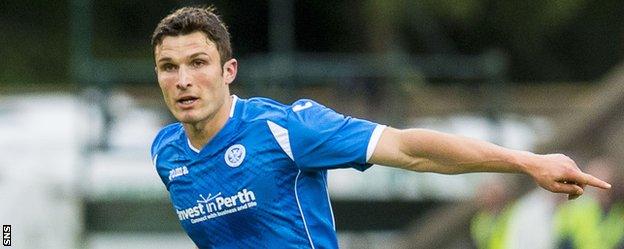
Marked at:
<point>582,224</point>
<point>490,231</point>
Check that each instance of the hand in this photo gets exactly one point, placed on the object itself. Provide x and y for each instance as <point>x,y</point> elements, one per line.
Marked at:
<point>560,174</point>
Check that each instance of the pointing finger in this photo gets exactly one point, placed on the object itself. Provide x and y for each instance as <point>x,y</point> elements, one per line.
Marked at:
<point>594,181</point>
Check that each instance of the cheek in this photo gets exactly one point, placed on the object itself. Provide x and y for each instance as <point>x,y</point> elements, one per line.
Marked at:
<point>166,83</point>
<point>166,78</point>
<point>165,88</point>
<point>207,81</point>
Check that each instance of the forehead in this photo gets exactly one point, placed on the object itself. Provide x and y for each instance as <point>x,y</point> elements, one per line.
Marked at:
<point>185,45</point>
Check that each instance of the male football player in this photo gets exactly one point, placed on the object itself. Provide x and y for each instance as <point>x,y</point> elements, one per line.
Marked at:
<point>252,173</point>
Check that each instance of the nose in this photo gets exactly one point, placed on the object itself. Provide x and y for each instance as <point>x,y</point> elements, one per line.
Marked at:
<point>184,79</point>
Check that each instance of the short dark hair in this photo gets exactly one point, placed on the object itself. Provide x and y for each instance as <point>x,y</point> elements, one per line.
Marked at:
<point>187,20</point>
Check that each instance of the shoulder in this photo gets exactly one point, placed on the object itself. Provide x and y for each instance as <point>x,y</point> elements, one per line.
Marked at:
<point>167,135</point>
<point>311,113</point>
<point>260,104</point>
<point>263,109</point>
<point>301,105</point>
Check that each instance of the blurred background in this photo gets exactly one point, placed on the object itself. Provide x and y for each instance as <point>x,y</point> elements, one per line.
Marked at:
<point>80,105</point>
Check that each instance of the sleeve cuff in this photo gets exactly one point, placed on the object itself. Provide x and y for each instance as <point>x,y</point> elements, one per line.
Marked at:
<point>374,139</point>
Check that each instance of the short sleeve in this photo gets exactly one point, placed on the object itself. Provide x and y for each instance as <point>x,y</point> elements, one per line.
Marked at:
<point>321,138</point>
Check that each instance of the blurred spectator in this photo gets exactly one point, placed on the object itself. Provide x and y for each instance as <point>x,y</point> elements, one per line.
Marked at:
<point>596,220</point>
<point>489,227</point>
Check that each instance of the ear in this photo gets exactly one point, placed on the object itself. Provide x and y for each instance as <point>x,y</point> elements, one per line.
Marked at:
<point>230,68</point>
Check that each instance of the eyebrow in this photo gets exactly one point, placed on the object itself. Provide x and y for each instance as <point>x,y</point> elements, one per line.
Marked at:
<point>167,59</point>
<point>198,54</point>
<point>164,59</point>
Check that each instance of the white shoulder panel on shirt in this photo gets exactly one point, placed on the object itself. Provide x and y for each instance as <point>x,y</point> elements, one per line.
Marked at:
<point>281,135</point>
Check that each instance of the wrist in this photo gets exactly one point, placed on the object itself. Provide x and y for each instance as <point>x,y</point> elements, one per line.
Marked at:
<point>522,162</point>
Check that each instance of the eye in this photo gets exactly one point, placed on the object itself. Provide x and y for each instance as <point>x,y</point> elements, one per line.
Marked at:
<point>168,67</point>
<point>198,63</point>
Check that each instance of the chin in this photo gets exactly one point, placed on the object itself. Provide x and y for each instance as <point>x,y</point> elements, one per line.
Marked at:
<point>186,118</point>
<point>189,120</point>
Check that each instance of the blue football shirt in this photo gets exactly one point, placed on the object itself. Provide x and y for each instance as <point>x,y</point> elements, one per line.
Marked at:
<point>261,182</point>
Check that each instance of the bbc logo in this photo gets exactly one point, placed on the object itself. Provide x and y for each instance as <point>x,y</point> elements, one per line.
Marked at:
<point>6,235</point>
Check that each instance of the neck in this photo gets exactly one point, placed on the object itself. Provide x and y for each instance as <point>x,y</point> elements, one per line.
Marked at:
<point>202,132</point>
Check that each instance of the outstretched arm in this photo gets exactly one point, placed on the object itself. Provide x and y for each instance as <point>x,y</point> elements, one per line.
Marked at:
<point>430,151</point>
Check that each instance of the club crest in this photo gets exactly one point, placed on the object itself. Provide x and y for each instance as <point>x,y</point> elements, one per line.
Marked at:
<point>235,155</point>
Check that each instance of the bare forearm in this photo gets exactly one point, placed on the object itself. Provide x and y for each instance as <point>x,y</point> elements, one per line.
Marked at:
<point>451,154</point>
<point>430,151</point>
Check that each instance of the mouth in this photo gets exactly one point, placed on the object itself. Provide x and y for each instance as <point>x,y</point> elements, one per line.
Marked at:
<point>186,101</point>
